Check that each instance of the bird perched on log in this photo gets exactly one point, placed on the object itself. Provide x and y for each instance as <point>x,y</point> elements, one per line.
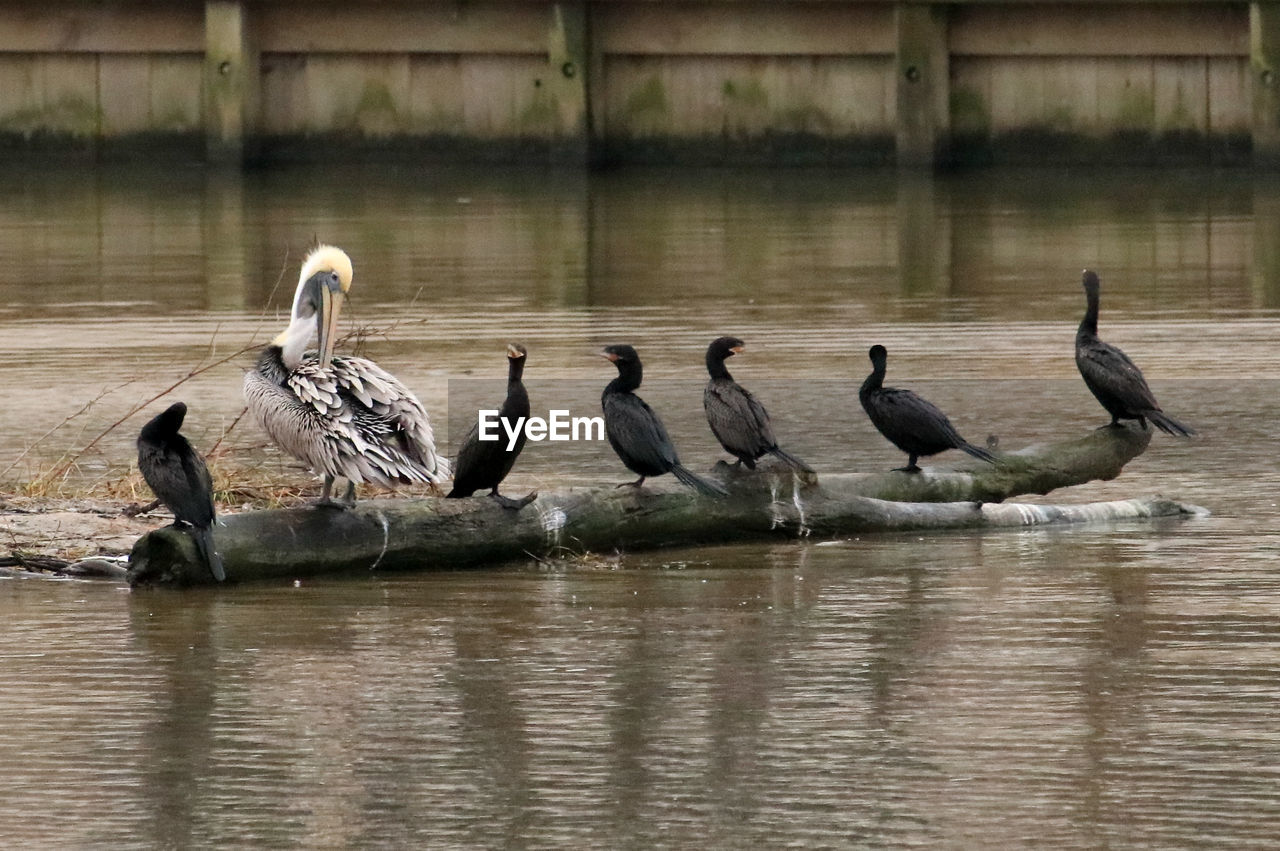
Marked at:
<point>635,432</point>
<point>1114,380</point>
<point>179,478</point>
<point>344,417</point>
<point>911,423</point>
<point>485,463</point>
<point>736,417</point>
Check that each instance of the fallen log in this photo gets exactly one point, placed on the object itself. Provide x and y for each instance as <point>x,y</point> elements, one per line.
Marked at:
<point>401,534</point>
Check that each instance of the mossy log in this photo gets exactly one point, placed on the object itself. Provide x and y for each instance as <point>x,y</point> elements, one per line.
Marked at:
<point>401,534</point>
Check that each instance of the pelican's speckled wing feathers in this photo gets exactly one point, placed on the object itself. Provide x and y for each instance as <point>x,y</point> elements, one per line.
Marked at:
<point>352,420</point>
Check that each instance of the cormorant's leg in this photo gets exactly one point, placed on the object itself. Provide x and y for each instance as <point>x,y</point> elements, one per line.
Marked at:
<point>135,509</point>
<point>637,483</point>
<point>911,467</point>
<point>513,504</point>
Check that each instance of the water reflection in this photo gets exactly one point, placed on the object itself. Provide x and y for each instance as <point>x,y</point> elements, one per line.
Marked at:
<point>1102,685</point>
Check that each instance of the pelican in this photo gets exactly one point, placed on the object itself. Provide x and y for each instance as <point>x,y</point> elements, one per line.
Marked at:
<point>344,417</point>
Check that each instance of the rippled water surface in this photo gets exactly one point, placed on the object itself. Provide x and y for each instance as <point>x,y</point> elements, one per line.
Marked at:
<point>1101,686</point>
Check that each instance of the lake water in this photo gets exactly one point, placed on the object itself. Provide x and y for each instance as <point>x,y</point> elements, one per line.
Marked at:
<point>1109,685</point>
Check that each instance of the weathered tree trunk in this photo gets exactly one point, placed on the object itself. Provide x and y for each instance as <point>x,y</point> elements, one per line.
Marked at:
<point>770,502</point>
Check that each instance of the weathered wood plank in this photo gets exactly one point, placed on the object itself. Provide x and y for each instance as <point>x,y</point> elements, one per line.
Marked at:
<point>1181,95</point>
<point>64,92</point>
<point>1230,107</point>
<point>175,92</point>
<point>707,29</point>
<point>284,94</point>
<point>366,95</point>
<point>70,27</point>
<point>331,27</point>
<point>746,96</point>
<point>1128,29</point>
<point>435,94</point>
<point>124,85</point>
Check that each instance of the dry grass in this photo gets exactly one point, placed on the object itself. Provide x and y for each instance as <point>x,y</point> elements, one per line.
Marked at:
<point>241,480</point>
<point>235,485</point>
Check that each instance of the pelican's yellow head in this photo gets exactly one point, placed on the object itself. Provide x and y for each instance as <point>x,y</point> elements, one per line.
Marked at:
<point>323,283</point>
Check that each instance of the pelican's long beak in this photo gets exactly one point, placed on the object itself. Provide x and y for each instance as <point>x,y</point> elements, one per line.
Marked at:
<point>330,307</point>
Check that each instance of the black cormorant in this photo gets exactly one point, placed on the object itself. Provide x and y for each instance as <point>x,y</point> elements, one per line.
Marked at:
<point>736,417</point>
<point>484,464</point>
<point>911,423</point>
<point>1115,380</point>
<point>634,430</point>
<point>177,475</point>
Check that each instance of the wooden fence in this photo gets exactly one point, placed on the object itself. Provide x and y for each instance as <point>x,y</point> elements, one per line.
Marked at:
<point>777,81</point>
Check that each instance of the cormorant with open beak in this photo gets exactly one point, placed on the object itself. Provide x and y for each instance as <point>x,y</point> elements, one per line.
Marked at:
<point>736,417</point>
<point>483,464</point>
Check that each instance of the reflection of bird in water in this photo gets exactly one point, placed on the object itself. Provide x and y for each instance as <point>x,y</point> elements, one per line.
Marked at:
<point>736,417</point>
<point>911,423</point>
<point>177,475</point>
<point>485,463</point>
<point>1113,379</point>
<point>344,417</point>
<point>634,430</point>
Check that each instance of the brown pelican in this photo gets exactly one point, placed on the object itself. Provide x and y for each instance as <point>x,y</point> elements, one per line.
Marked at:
<point>344,417</point>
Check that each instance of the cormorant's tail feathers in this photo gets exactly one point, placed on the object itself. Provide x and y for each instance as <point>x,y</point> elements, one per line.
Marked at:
<point>978,452</point>
<point>791,460</point>
<point>697,482</point>
<point>204,545</point>
<point>1169,425</point>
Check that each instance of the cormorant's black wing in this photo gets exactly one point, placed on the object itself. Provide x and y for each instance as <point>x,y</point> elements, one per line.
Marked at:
<point>1108,370</point>
<point>473,459</point>
<point>634,429</point>
<point>199,487</point>
<point>737,418</point>
<point>902,415</point>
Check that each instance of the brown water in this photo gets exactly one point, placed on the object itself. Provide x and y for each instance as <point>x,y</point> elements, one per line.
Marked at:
<point>1102,686</point>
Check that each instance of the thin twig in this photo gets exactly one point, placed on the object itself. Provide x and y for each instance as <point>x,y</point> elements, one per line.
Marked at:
<point>213,450</point>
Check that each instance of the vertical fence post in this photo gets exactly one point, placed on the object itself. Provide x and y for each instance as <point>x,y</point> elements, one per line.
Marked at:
<point>231,81</point>
<point>568,54</point>
<point>1264,70</point>
<point>923,84</point>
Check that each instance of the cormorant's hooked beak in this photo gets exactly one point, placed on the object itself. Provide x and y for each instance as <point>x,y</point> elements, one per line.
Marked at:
<point>330,306</point>
<point>513,352</point>
<point>737,349</point>
<point>609,356</point>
